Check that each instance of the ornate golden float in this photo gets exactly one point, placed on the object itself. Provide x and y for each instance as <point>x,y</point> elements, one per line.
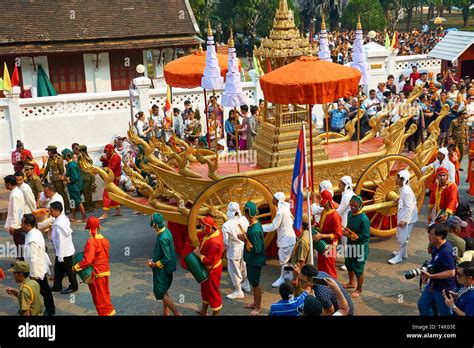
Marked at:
<point>191,183</point>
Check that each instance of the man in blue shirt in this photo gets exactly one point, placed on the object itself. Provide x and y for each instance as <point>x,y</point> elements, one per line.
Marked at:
<point>326,295</point>
<point>462,302</point>
<point>338,118</point>
<point>288,305</point>
<point>443,262</point>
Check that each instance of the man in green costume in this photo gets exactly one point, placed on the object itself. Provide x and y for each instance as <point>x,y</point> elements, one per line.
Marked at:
<point>74,184</point>
<point>163,264</point>
<point>358,233</point>
<point>87,179</point>
<point>254,255</point>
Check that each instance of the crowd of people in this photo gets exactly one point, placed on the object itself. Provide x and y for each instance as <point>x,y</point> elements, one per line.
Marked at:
<point>238,130</point>
<point>42,198</point>
<point>407,42</point>
<point>389,100</point>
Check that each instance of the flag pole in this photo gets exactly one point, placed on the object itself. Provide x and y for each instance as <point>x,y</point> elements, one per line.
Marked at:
<point>311,254</point>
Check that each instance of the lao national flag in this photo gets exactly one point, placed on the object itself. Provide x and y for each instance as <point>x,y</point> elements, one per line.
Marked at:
<point>298,183</point>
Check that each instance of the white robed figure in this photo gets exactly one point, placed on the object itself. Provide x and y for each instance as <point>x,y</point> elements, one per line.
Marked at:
<point>407,216</point>
<point>344,208</point>
<point>316,209</point>
<point>286,237</point>
<point>235,225</point>
<point>442,160</point>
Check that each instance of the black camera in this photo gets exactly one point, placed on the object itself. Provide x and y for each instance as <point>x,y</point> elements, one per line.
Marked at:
<point>426,266</point>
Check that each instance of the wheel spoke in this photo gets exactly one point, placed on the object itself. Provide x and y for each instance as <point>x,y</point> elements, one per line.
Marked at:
<point>368,201</point>
<point>219,199</point>
<point>380,173</point>
<point>373,218</point>
<point>368,190</point>
<point>380,223</point>
<point>263,215</point>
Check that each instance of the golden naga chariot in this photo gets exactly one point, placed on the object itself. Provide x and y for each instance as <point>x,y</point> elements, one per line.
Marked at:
<point>192,183</point>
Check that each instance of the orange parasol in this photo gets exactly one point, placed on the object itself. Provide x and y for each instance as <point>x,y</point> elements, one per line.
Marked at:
<point>310,81</point>
<point>187,71</point>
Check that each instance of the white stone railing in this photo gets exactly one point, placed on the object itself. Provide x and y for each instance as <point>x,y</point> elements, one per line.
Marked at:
<point>403,65</point>
<point>93,119</point>
<point>75,104</point>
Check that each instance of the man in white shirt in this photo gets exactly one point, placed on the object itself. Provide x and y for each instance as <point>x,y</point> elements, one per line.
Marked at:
<point>64,249</point>
<point>286,237</point>
<point>371,105</point>
<point>49,196</point>
<point>38,261</point>
<point>30,201</point>
<point>442,160</point>
<point>16,209</point>
<point>407,216</point>
<point>234,226</point>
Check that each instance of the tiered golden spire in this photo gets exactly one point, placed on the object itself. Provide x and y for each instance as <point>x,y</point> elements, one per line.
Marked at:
<point>200,50</point>
<point>209,29</point>
<point>231,39</point>
<point>285,40</point>
<point>359,25</point>
<point>323,23</point>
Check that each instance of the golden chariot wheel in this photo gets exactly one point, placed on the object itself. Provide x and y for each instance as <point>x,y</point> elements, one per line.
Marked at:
<point>215,199</point>
<point>378,188</point>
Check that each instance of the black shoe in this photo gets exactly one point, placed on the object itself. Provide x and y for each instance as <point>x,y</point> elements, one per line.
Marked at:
<point>461,170</point>
<point>68,291</point>
<point>54,289</point>
<point>49,312</point>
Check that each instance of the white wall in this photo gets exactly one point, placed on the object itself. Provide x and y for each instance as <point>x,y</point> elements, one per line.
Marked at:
<point>97,79</point>
<point>91,119</point>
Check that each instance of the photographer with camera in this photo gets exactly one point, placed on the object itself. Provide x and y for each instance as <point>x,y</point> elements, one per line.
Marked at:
<point>462,302</point>
<point>309,277</point>
<point>439,274</point>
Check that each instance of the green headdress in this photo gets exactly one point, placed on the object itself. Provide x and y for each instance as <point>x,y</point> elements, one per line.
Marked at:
<point>358,199</point>
<point>251,209</point>
<point>157,220</point>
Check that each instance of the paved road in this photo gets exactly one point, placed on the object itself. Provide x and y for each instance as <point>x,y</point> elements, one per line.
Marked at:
<point>386,291</point>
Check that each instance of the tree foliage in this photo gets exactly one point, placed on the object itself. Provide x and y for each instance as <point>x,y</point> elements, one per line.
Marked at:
<point>370,11</point>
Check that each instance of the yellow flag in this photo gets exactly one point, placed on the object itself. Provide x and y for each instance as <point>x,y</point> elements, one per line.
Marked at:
<point>7,85</point>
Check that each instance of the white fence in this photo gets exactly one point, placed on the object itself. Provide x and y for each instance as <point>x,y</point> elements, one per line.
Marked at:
<point>92,119</point>
<point>403,65</point>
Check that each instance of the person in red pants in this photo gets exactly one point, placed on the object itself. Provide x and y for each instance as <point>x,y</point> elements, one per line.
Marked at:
<point>330,227</point>
<point>210,252</point>
<point>96,254</point>
<point>113,161</point>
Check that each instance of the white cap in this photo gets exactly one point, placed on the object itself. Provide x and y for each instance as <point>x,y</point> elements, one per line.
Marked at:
<point>233,208</point>
<point>444,151</point>
<point>347,180</point>
<point>280,196</point>
<point>405,175</point>
<point>221,142</point>
<point>325,185</point>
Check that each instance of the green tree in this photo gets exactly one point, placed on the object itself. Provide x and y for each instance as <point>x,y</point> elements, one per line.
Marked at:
<point>202,10</point>
<point>409,5</point>
<point>464,5</point>
<point>370,11</point>
<point>311,9</point>
<point>391,8</point>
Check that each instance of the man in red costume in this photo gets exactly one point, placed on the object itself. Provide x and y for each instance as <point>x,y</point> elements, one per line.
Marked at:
<point>96,254</point>
<point>210,252</point>
<point>330,228</point>
<point>111,160</point>
<point>443,198</point>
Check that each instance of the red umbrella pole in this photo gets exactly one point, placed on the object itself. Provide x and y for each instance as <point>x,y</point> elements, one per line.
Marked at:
<point>311,145</point>
<point>207,118</point>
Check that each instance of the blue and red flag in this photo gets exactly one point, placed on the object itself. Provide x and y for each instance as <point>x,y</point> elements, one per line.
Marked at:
<point>298,183</point>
